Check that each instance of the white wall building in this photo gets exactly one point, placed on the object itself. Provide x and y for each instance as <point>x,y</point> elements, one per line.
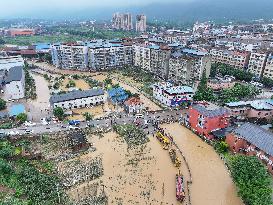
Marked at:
<point>8,62</point>
<point>15,83</point>
<point>172,96</point>
<point>78,99</point>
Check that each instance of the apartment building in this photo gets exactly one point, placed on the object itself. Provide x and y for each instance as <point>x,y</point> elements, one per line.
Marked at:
<point>268,70</point>
<point>187,65</point>
<point>141,23</point>
<point>122,21</point>
<point>257,63</point>
<point>236,59</point>
<point>70,56</point>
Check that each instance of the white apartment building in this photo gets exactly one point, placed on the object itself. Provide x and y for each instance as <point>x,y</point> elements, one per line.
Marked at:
<point>141,23</point>
<point>268,70</point>
<point>236,59</point>
<point>15,83</point>
<point>257,63</point>
<point>172,96</point>
<point>122,21</point>
<point>78,99</point>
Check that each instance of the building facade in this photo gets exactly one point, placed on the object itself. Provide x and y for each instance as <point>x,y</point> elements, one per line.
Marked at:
<point>252,140</point>
<point>78,99</point>
<point>268,70</point>
<point>172,96</point>
<point>257,63</point>
<point>141,23</point>
<point>203,120</point>
<point>122,21</point>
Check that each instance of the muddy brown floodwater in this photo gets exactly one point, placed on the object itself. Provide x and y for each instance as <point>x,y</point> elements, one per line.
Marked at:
<point>212,184</point>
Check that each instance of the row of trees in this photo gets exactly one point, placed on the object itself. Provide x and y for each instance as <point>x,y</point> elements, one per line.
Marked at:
<point>236,93</point>
<point>2,104</point>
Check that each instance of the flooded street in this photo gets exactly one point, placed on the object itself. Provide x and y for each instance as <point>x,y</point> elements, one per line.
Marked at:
<point>212,184</point>
<point>37,108</point>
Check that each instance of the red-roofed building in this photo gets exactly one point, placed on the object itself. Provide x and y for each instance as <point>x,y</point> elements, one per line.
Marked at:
<point>21,32</point>
<point>133,105</point>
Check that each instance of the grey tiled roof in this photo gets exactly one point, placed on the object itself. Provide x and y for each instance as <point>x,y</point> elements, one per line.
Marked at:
<point>210,113</point>
<point>256,135</point>
<point>76,94</point>
<point>15,74</point>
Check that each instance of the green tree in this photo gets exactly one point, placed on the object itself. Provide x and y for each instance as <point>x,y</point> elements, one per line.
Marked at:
<point>221,147</point>
<point>252,180</point>
<point>21,118</point>
<point>2,104</point>
<point>59,113</point>
<point>88,116</point>
<point>204,93</point>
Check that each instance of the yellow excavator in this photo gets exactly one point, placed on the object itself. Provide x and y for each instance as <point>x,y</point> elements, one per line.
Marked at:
<point>164,140</point>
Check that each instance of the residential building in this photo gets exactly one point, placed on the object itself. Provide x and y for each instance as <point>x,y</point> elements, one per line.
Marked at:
<point>133,105</point>
<point>122,21</point>
<point>141,23</point>
<point>15,83</point>
<point>257,63</point>
<point>256,109</point>
<point>7,62</point>
<point>78,99</point>
<point>188,65</point>
<point>171,95</point>
<point>268,70</point>
<point>252,140</point>
<point>237,59</point>
<point>205,119</point>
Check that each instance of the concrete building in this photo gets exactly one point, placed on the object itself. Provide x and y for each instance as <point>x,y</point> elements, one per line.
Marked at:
<point>15,83</point>
<point>236,59</point>
<point>257,63</point>
<point>122,21</point>
<point>205,119</point>
<point>78,99</point>
<point>8,62</point>
<point>256,109</point>
<point>188,65</point>
<point>133,105</point>
<point>268,70</point>
<point>252,140</point>
<point>172,96</point>
<point>141,23</point>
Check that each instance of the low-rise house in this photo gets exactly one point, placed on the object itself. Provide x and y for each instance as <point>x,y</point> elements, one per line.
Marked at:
<point>133,105</point>
<point>216,84</point>
<point>205,119</point>
<point>252,140</point>
<point>172,96</point>
<point>256,109</point>
<point>15,83</point>
<point>78,99</point>
<point>117,95</point>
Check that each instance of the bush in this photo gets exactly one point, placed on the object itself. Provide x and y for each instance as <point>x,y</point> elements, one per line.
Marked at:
<point>58,112</point>
<point>221,147</point>
<point>21,118</point>
<point>252,180</point>
<point>2,104</point>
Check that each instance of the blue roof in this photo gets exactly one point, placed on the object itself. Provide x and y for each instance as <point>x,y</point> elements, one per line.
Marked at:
<point>16,110</point>
<point>42,46</point>
<point>118,95</point>
<point>154,47</point>
<point>194,52</point>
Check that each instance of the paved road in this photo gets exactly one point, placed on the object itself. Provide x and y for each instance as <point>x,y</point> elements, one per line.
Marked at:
<point>147,119</point>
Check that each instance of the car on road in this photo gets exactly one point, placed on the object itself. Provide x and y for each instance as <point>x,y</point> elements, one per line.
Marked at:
<point>73,127</point>
<point>44,121</point>
<point>12,133</point>
<point>29,131</point>
<point>29,124</point>
<point>139,116</point>
<point>63,126</point>
<point>74,122</point>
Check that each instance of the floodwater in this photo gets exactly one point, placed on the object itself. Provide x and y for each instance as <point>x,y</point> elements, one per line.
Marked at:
<point>212,184</point>
<point>38,108</point>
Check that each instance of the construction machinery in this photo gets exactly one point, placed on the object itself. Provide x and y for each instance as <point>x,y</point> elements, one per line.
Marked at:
<point>175,159</point>
<point>180,192</point>
<point>164,140</point>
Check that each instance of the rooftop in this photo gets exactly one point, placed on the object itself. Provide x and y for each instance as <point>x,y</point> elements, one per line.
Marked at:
<point>76,94</point>
<point>264,104</point>
<point>15,74</point>
<point>257,136</point>
<point>210,113</point>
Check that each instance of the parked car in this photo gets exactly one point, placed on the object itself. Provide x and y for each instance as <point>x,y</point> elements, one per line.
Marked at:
<point>73,127</point>
<point>28,131</point>
<point>74,122</point>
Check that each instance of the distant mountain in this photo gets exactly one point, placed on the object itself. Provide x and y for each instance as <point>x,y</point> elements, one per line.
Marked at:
<point>189,11</point>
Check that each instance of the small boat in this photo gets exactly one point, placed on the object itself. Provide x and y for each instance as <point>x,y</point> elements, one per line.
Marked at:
<point>180,192</point>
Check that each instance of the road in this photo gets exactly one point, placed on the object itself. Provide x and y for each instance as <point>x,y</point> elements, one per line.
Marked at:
<point>120,118</point>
